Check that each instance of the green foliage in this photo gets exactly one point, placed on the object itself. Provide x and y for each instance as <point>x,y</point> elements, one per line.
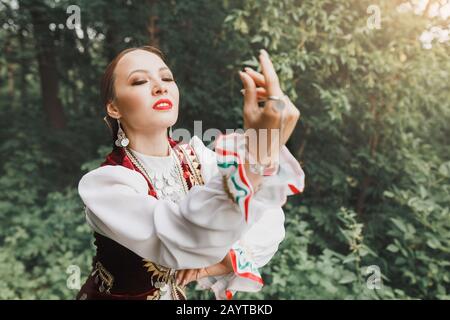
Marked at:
<point>373,138</point>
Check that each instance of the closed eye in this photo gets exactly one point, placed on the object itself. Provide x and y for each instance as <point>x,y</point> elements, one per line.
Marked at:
<point>139,82</point>
<point>136,83</point>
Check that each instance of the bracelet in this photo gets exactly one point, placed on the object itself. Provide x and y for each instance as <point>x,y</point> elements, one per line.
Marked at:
<point>264,170</point>
<point>270,169</point>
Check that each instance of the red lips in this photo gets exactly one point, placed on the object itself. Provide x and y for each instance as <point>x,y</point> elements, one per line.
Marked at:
<point>162,104</point>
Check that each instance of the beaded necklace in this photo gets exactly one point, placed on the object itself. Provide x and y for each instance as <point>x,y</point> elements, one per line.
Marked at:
<point>141,167</point>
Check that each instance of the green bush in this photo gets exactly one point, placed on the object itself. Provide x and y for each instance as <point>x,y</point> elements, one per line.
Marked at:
<point>372,139</point>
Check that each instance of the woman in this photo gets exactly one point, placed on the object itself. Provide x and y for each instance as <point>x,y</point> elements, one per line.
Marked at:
<point>166,213</point>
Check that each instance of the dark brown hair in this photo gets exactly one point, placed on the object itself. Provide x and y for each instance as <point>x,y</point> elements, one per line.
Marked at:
<point>107,92</point>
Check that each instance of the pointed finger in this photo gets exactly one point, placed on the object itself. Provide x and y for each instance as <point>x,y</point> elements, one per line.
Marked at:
<point>261,93</point>
<point>250,98</point>
<point>189,276</point>
<point>180,274</point>
<point>256,76</point>
<point>268,70</point>
<point>185,275</point>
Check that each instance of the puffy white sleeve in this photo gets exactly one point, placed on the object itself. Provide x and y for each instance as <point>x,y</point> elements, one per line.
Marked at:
<point>260,242</point>
<point>252,252</point>
<point>196,232</point>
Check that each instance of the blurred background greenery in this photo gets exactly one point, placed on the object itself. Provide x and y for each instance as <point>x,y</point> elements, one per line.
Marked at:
<point>373,138</point>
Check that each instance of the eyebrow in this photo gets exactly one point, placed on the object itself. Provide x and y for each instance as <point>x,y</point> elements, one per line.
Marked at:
<point>146,71</point>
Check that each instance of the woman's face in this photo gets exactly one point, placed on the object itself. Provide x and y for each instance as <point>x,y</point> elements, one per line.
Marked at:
<point>146,95</point>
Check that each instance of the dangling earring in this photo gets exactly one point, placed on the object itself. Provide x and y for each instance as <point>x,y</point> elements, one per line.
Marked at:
<point>122,140</point>
<point>170,131</point>
<point>108,124</point>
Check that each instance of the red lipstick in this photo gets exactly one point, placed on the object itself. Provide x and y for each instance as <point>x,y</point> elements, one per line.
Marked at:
<point>162,104</point>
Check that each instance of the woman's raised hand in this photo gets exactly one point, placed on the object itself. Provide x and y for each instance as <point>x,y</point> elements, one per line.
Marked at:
<point>279,126</point>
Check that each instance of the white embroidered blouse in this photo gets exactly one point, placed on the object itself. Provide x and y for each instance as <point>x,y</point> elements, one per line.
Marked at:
<point>197,229</point>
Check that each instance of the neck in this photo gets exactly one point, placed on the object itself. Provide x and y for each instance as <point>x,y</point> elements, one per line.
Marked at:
<point>151,144</point>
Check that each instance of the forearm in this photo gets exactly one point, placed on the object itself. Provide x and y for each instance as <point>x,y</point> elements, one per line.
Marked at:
<point>218,269</point>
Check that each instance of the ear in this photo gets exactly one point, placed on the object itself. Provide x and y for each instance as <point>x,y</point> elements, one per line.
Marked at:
<point>112,110</point>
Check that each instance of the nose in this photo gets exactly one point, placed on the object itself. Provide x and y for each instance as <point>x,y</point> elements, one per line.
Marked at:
<point>159,88</point>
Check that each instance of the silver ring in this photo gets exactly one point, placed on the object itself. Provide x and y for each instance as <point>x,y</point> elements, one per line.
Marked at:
<point>279,102</point>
